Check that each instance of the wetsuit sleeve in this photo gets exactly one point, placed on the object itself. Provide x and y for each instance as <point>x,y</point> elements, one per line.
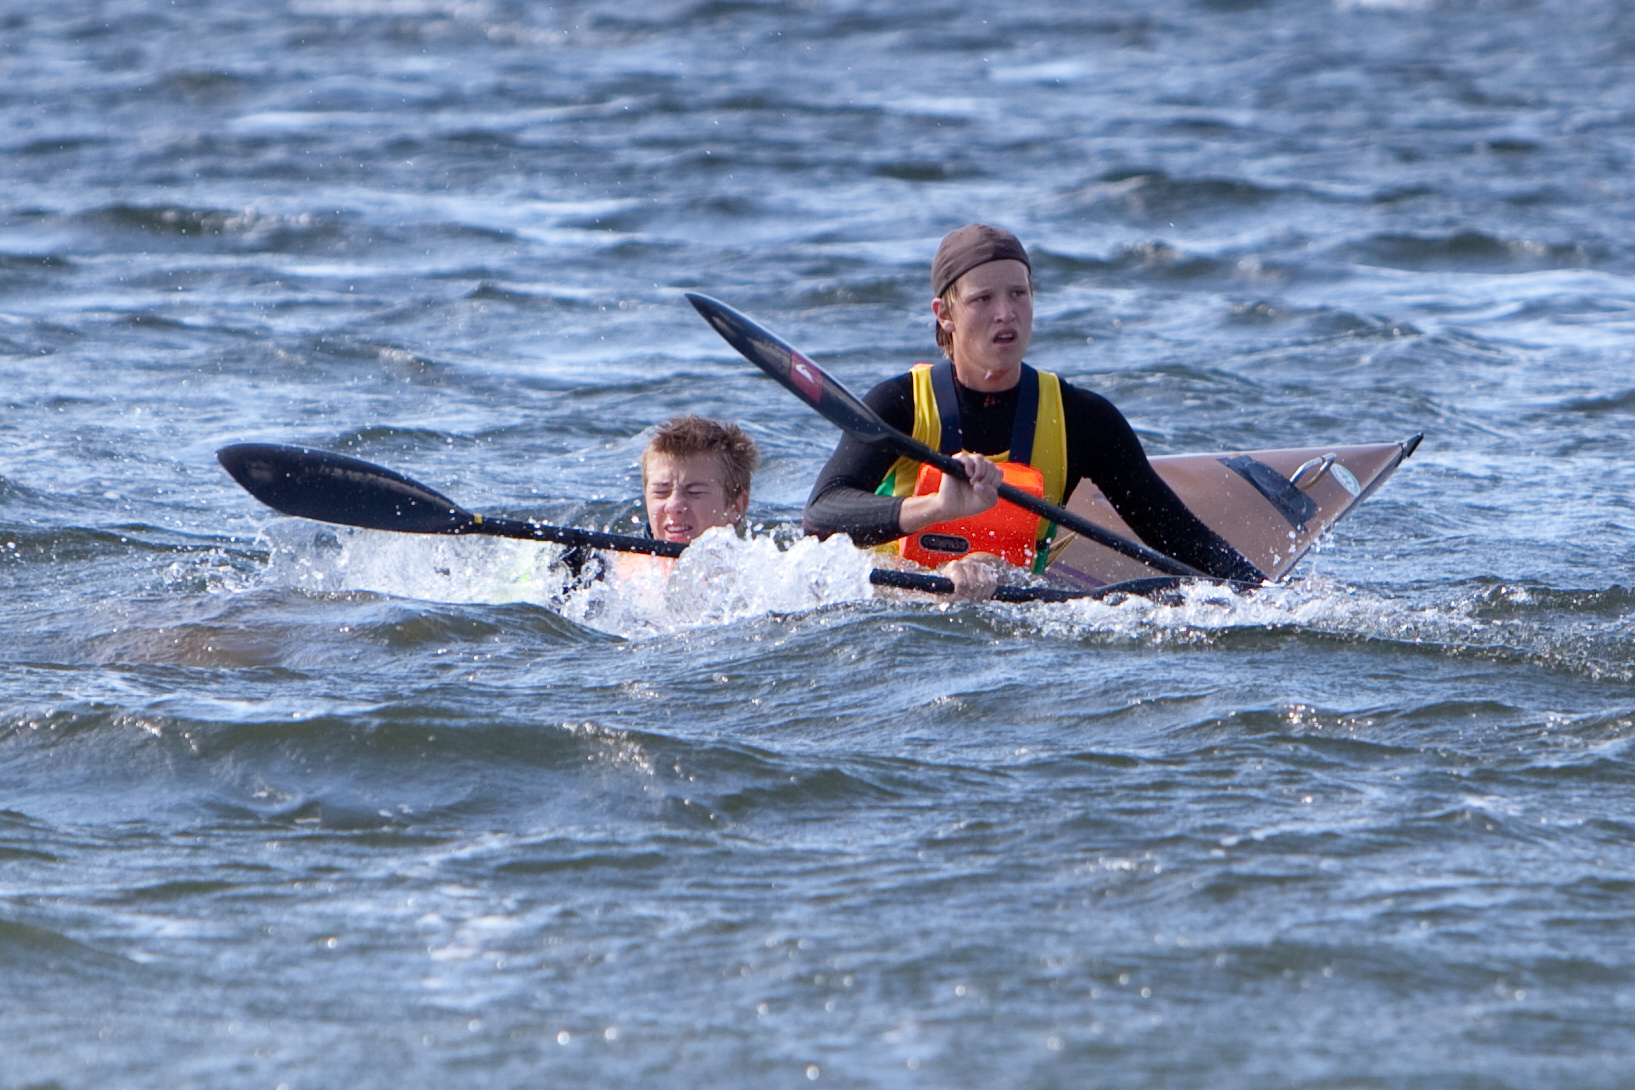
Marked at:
<point>843,499</point>
<point>1102,446</point>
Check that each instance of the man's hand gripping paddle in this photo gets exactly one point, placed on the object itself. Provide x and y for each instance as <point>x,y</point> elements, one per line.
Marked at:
<point>317,484</point>
<point>809,382</point>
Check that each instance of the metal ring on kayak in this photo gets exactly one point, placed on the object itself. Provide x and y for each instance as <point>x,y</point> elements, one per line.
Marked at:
<point>1320,464</point>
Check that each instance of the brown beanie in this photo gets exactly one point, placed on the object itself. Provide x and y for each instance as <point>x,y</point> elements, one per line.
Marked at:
<point>972,245</point>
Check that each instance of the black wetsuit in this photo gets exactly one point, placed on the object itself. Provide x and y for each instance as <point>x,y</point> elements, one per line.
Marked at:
<point>1101,445</point>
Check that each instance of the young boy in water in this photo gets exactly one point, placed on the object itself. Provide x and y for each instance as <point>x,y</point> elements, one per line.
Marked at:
<point>695,475</point>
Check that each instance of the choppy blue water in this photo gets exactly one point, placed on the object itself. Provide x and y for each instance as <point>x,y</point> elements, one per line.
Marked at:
<point>284,805</point>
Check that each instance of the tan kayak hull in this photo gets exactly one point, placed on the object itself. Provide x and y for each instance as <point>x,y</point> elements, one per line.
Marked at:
<point>1245,496</point>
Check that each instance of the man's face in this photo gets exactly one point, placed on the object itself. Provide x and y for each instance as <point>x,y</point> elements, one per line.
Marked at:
<point>991,323</point>
<point>686,496</point>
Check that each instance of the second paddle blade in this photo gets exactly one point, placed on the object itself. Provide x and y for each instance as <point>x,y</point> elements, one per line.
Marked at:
<point>316,484</point>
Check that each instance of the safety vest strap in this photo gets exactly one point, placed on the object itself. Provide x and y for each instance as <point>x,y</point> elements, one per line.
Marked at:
<point>946,397</point>
<point>952,439</point>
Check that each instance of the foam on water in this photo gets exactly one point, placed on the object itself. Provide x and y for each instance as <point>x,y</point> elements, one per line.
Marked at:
<point>725,580</point>
<point>480,570</point>
<point>1503,622</point>
<point>721,579</point>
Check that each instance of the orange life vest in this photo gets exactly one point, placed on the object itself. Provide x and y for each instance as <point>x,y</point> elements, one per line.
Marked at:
<point>1004,529</point>
<point>643,568</point>
<point>1039,450</point>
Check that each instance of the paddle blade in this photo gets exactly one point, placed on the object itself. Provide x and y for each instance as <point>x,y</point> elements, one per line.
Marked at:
<point>316,484</point>
<point>797,374</point>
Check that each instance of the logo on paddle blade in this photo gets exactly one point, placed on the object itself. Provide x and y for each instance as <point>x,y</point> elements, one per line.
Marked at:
<point>804,374</point>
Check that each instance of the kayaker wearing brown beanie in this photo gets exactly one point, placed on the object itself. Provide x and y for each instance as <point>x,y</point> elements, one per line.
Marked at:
<point>1003,420</point>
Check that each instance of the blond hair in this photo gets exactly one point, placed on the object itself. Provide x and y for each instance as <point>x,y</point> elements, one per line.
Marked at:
<point>690,435</point>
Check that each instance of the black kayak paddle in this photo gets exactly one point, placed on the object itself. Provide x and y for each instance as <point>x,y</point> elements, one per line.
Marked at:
<point>328,487</point>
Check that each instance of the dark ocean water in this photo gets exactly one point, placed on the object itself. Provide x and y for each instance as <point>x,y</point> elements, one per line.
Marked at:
<point>288,805</point>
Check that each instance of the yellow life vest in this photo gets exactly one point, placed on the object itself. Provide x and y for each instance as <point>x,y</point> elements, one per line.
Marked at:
<point>1039,441</point>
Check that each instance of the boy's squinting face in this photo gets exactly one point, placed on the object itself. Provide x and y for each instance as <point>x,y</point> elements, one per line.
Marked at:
<point>686,496</point>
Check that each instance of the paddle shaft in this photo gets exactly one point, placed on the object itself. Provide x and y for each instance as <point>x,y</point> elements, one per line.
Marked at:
<point>880,577</point>
<point>567,535</point>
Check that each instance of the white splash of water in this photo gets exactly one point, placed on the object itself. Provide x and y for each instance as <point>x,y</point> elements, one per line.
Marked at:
<point>1199,612</point>
<point>721,579</point>
<point>432,568</point>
